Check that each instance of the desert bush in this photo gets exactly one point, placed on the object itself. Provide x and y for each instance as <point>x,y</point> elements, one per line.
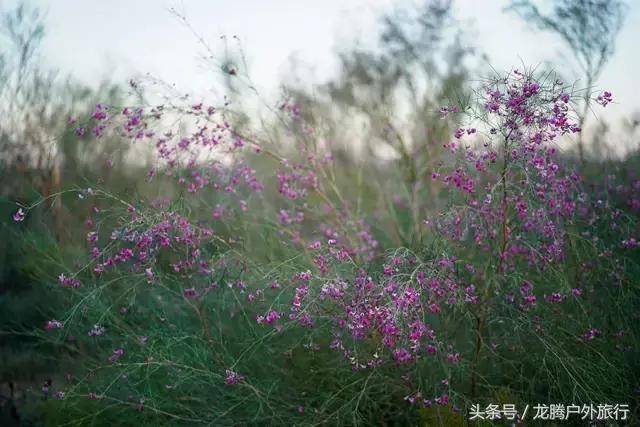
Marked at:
<point>250,287</point>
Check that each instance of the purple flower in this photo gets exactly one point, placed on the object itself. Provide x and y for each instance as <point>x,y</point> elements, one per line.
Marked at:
<point>68,282</point>
<point>19,215</point>
<point>53,324</point>
<point>604,98</point>
<point>453,357</point>
<point>402,355</point>
<point>526,288</point>
<point>591,334</point>
<point>149,274</point>
<point>117,354</point>
<point>96,331</point>
<point>271,317</point>
<point>232,378</point>
<point>315,245</point>
<point>100,113</point>
<point>555,298</point>
<point>442,400</point>
<point>530,301</point>
<point>190,293</point>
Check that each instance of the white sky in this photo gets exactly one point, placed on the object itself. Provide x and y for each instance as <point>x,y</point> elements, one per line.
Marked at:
<point>96,39</point>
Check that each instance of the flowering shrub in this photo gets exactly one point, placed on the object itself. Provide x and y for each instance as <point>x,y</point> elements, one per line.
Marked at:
<point>179,313</point>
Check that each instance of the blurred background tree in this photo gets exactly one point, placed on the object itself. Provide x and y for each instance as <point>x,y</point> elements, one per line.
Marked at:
<point>381,113</point>
<point>39,156</point>
<point>38,148</point>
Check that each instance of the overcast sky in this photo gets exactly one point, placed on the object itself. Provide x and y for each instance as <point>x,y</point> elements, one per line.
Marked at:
<point>94,39</point>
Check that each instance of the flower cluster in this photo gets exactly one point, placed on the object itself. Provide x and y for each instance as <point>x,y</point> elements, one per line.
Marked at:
<point>516,197</point>
<point>390,315</point>
<point>138,243</point>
